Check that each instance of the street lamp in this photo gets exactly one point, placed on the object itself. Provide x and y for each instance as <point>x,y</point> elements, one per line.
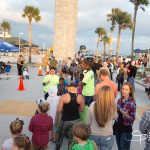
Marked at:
<point>19,40</point>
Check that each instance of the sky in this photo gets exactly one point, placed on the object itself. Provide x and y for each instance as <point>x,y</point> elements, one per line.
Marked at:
<point>91,14</point>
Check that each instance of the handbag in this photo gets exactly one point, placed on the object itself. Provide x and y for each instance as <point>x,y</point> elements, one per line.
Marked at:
<point>118,125</point>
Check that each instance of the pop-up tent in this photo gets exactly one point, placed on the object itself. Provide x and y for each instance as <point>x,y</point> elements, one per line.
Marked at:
<point>137,50</point>
<point>6,47</point>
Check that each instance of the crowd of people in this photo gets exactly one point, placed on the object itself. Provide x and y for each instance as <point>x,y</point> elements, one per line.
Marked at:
<point>80,104</point>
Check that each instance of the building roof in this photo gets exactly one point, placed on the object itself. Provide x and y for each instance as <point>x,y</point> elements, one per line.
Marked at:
<point>15,41</point>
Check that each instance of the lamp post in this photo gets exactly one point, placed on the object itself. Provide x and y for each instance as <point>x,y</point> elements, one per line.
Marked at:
<point>19,40</point>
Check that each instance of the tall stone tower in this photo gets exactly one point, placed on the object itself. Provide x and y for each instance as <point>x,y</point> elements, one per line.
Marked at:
<point>65,28</point>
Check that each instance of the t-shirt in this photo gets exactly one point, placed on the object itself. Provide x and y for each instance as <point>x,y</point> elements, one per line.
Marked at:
<point>89,145</point>
<point>109,83</point>
<point>8,67</point>
<point>7,145</point>
<point>54,81</point>
<point>88,89</point>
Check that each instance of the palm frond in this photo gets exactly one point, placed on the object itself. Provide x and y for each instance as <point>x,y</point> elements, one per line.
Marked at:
<point>31,13</point>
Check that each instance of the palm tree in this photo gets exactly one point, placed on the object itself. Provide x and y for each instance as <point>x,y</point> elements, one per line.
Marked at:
<point>101,32</point>
<point>112,18</point>
<point>137,4</point>
<point>5,27</point>
<point>31,13</point>
<point>124,21</point>
<point>106,41</point>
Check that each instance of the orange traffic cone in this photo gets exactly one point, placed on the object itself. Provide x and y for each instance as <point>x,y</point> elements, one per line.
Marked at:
<point>21,85</point>
<point>40,71</point>
<point>47,70</point>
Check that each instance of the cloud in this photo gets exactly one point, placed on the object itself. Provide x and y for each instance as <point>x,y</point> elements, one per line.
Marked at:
<point>91,14</point>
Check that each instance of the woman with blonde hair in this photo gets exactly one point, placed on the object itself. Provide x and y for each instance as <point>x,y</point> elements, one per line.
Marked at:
<point>121,75</point>
<point>102,112</point>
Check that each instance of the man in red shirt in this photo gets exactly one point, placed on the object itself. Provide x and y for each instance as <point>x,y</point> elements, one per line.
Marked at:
<point>104,75</point>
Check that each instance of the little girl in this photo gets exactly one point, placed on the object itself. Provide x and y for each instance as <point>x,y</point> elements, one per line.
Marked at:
<point>25,71</point>
<point>15,129</point>
<point>62,87</point>
<point>81,132</point>
<point>21,142</point>
<point>40,125</point>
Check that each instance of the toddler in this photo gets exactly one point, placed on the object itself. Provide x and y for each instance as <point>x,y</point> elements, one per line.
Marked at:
<point>15,129</point>
<point>21,142</point>
<point>8,68</point>
<point>81,133</point>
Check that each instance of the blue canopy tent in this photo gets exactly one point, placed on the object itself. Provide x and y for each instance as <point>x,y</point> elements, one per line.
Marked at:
<point>137,50</point>
<point>6,47</point>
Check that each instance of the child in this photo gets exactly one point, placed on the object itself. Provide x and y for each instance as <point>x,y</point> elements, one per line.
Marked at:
<point>53,100</point>
<point>62,87</point>
<point>21,142</point>
<point>25,71</point>
<point>15,129</point>
<point>81,132</point>
<point>77,78</point>
<point>8,68</point>
<point>40,125</point>
<point>142,70</point>
<point>80,87</point>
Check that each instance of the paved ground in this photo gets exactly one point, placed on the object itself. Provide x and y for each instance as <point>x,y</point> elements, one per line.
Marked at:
<point>14,103</point>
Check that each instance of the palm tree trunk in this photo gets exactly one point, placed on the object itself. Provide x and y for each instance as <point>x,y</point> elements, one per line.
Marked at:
<point>104,54</point>
<point>118,44</point>
<point>97,45</point>
<point>4,35</point>
<point>30,40</point>
<point>110,45</point>
<point>133,32</point>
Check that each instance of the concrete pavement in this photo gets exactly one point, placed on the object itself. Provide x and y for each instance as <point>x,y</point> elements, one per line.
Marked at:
<point>14,103</point>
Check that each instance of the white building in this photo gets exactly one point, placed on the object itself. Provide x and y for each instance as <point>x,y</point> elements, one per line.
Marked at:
<point>7,35</point>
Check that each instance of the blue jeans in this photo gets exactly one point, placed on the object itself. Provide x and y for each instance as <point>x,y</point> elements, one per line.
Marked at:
<point>120,83</point>
<point>88,100</point>
<point>103,142</point>
<point>131,81</point>
<point>123,141</point>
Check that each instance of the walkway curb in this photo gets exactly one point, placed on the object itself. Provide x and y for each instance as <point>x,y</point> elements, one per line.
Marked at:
<point>140,83</point>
